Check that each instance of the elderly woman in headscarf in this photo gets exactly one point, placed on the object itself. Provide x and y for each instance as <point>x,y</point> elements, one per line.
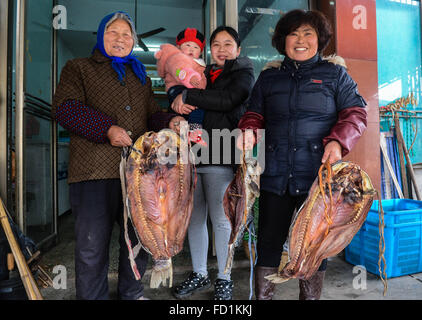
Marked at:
<point>104,101</point>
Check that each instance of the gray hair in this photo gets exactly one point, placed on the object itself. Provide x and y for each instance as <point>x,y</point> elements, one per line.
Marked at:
<point>124,17</point>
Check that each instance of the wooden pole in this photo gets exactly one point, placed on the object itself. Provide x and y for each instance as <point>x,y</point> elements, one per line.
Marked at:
<point>408,162</point>
<point>400,149</point>
<point>27,279</point>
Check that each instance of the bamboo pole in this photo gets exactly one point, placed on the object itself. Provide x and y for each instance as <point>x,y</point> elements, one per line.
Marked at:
<point>383,147</point>
<point>27,279</point>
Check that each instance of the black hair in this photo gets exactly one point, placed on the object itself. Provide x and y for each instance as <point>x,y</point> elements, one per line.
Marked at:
<point>232,32</point>
<point>292,20</point>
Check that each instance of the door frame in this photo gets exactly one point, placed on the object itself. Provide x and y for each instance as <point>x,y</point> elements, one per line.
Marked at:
<point>4,172</point>
<point>20,188</point>
<point>19,113</point>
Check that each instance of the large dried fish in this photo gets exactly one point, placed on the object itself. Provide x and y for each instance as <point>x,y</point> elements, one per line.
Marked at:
<point>238,201</point>
<point>159,198</point>
<point>334,211</point>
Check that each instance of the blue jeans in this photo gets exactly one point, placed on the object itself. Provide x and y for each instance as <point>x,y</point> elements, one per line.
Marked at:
<point>97,205</point>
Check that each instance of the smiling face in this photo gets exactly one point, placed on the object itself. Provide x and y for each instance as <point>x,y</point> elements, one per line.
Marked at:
<point>118,41</point>
<point>223,48</point>
<point>302,43</point>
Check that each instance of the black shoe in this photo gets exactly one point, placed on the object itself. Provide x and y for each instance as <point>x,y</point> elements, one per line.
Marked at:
<point>223,289</point>
<point>194,283</point>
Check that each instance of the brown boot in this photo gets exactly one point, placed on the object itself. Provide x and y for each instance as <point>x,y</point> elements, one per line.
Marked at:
<point>311,289</point>
<point>264,289</point>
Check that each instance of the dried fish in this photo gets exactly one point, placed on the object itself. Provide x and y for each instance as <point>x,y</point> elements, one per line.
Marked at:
<point>238,201</point>
<point>159,199</point>
<point>334,211</point>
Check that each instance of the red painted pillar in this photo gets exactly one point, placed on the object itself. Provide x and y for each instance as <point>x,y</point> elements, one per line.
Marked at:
<point>356,37</point>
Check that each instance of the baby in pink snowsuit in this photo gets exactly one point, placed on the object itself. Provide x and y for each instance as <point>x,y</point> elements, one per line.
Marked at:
<point>181,67</point>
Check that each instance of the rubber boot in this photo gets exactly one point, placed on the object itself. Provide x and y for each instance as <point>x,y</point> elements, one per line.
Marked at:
<point>264,289</point>
<point>311,289</point>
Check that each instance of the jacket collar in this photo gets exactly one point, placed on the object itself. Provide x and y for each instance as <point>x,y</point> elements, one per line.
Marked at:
<point>233,65</point>
<point>301,65</point>
<point>227,65</point>
<point>98,57</point>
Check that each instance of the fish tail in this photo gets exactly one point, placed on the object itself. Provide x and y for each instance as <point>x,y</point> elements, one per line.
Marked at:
<point>275,278</point>
<point>161,271</point>
<point>230,256</point>
<point>280,276</point>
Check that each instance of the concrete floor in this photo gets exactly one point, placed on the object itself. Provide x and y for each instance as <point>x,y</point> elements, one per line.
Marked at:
<point>340,282</point>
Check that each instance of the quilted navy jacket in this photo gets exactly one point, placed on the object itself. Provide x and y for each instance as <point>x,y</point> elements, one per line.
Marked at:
<point>300,104</point>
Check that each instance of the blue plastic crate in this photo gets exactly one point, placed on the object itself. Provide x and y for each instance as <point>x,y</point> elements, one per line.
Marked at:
<point>402,235</point>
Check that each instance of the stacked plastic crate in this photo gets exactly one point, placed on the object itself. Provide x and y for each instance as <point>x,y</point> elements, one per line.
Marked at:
<point>402,236</point>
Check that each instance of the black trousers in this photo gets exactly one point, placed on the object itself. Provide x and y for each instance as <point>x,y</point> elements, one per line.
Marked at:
<point>275,215</point>
<point>97,205</point>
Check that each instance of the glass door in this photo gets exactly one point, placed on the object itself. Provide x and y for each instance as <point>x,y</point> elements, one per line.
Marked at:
<point>257,20</point>
<point>32,137</point>
<point>4,47</point>
<point>38,138</point>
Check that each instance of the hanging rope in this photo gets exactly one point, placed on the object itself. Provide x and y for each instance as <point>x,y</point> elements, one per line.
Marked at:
<point>402,105</point>
<point>252,259</point>
<point>381,245</point>
<point>327,212</point>
<point>328,178</point>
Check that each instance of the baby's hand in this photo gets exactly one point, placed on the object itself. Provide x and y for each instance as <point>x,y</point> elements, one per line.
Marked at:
<point>185,75</point>
<point>194,81</point>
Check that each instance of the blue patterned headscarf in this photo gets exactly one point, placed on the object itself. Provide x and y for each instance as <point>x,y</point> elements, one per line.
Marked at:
<point>118,63</point>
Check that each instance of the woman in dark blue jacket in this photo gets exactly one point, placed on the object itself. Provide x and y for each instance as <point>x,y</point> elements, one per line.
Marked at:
<point>311,112</point>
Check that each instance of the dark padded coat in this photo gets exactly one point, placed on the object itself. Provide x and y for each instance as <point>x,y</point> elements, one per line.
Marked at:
<point>300,104</point>
<point>224,101</point>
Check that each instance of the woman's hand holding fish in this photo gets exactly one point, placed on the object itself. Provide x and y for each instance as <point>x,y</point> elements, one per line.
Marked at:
<point>246,140</point>
<point>118,137</point>
<point>332,152</point>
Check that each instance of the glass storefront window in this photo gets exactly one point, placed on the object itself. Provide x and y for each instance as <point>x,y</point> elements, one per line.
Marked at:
<point>257,20</point>
<point>399,65</point>
<point>156,22</point>
<point>83,18</point>
<point>38,178</point>
<point>38,195</point>
<point>221,11</point>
